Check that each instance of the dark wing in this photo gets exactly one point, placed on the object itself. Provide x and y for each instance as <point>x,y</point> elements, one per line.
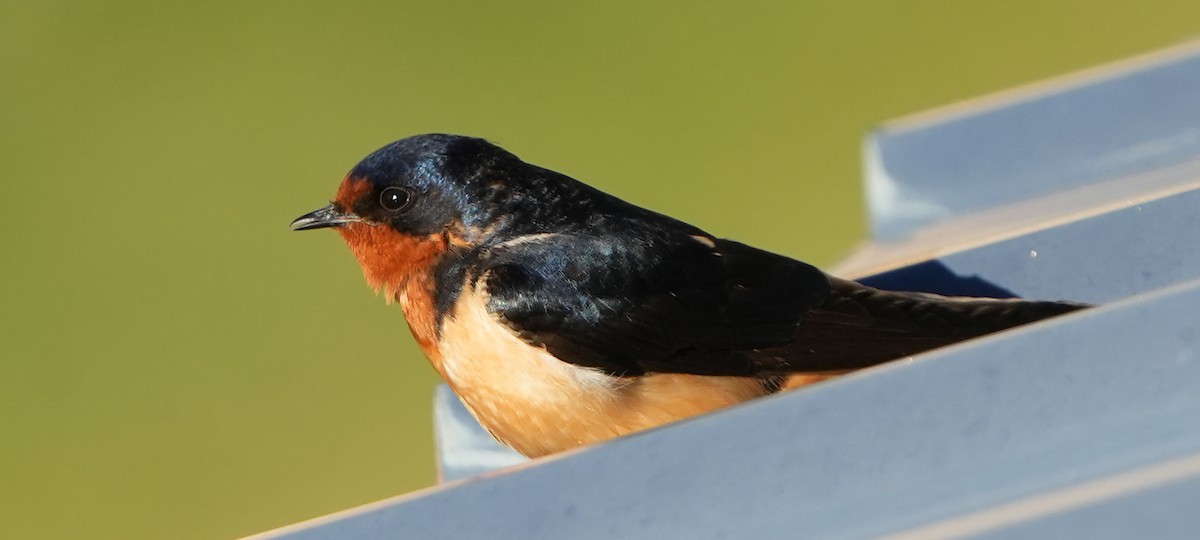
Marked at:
<point>859,326</point>
<point>682,306</point>
<point>686,304</point>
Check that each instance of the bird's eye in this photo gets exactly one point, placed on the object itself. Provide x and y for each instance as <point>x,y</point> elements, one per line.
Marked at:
<point>394,198</point>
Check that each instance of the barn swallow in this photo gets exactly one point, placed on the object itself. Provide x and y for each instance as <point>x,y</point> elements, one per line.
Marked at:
<point>563,316</point>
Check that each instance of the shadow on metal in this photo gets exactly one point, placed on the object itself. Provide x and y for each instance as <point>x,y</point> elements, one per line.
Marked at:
<point>936,277</point>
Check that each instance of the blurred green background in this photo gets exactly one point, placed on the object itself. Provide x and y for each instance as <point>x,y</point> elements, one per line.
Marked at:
<point>176,363</point>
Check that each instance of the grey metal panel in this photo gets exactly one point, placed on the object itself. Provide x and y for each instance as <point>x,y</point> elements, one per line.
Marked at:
<point>1118,121</point>
<point>1162,510</point>
<point>882,451</point>
<point>464,448</point>
<point>1096,259</point>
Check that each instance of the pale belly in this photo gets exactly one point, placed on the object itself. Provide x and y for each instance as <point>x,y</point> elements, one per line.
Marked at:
<point>537,404</point>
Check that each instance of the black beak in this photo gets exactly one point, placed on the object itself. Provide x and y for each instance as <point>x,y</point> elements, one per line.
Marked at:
<point>329,216</point>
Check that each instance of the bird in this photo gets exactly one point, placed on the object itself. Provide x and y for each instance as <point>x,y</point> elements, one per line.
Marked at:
<point>563,316</point>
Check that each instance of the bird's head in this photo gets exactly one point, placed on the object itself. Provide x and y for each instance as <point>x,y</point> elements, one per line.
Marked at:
<point>405,206</point>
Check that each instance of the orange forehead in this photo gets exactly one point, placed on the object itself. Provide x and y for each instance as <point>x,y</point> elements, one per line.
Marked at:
<point>351,190</point>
